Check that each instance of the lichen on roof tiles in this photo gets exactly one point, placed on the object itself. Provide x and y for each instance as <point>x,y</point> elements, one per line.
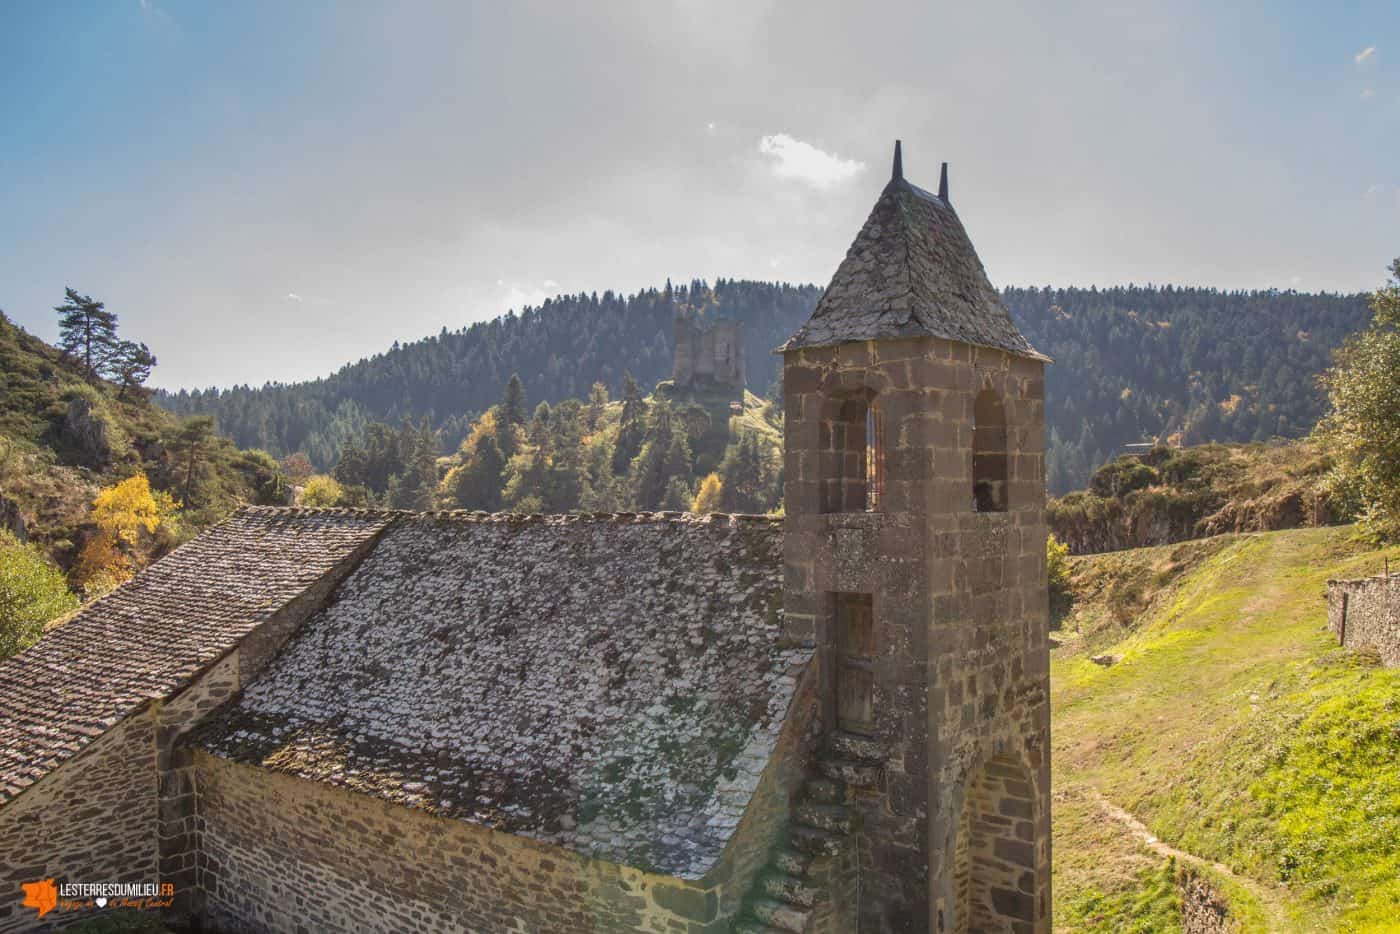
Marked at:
<point>148,638</point>
<point>911,272</point>
<point>611,684</point>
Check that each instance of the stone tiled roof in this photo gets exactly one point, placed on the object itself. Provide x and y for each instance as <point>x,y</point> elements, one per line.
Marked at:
<point>911,272</point>
<point>610,684</point>
<point>148,638</point>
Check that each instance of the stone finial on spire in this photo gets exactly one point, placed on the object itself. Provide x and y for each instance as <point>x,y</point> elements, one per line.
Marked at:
<point>898,172</point>
<point>943,184</point>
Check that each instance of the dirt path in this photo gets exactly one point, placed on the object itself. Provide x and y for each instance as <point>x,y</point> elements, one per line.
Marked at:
<point>1270,898</point>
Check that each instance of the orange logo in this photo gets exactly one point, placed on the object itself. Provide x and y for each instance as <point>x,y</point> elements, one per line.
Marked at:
<point>41,895</point>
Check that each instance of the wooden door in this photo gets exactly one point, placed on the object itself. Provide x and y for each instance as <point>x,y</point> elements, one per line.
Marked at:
<point>855,659</point>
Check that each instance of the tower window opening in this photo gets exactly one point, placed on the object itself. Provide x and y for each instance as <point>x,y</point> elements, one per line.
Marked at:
<point>853,456</point>
<point>989,454</point>
<point>874,457</point>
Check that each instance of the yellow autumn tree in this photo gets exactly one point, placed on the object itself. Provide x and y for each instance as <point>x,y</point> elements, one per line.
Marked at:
<point>708,497</point>
<point>126,515</point>
<point>322,490</point>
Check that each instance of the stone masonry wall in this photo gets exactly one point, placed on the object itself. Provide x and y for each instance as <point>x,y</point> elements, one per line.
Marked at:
<point>283,854</point>
<point>961,615</point>
<point>1366,614</point>
<point>92,820</point>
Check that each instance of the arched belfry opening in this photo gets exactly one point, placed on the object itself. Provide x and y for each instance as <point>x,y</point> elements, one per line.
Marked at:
<point>989,457</point>
<point>852,445</point>
<point>994,858</point>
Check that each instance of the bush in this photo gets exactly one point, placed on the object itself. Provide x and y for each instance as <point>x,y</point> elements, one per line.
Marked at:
<point>32,592</point>
<point>322,491</point>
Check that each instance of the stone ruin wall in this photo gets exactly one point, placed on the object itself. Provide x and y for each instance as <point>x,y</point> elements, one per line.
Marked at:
<point>1365,614</point>
<point>708,354</point>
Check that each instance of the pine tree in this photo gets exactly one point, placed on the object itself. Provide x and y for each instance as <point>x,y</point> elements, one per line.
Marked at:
<point>87,331</point>
<point>477,483</point>
<point>677,498</point>
<point>513,402</point>
<point>597,404</point>
<point>131,365</point>
<point>192,442</point>
<point>741,477</point>
<point>631,429</point>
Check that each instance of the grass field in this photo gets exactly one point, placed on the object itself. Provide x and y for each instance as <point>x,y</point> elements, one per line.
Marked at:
<point>1236,730</point>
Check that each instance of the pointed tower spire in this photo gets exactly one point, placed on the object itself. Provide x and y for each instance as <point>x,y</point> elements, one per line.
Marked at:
<point>943,185</point>
<point>898,172</point>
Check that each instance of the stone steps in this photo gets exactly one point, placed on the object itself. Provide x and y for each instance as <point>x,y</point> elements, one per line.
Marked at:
<point>749,926</point>
<point>855,747</point>
<point>784,892</point>
<point>824,791</point>
<point>780,915</point>
<point>815,842</point>
<point>832,817</point>
<point>791,862</point>
<point>850,772</point>
<point>786,888</point>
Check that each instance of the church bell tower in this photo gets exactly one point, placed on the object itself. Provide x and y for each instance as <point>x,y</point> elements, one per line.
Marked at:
<point>915,563</point>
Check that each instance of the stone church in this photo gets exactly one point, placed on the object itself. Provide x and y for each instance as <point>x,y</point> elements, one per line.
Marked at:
<point>832,721</point>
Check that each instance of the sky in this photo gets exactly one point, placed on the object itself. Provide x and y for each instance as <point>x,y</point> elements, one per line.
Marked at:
<point>268,190</point>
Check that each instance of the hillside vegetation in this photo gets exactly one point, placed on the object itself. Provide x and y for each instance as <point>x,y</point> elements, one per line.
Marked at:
<point>1174,494</point>
<point>64,436</point>
<point>1230,724</point>
<point>1131,364</point>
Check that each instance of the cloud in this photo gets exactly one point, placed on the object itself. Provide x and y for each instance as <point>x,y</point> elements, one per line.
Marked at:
<point>294,297</point>
<point>1365,55</point>
<point>806,163</point>
<point>1367,92</point>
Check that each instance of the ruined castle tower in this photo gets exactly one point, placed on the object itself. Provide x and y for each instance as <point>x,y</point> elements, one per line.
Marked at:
<point>708,352</point>
<point>915,562</point>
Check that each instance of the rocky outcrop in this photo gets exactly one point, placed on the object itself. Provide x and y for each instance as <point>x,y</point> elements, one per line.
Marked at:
<point>84,435</point>
<point>1171,495</point>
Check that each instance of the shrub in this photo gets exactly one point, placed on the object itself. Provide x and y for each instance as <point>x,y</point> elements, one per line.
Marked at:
<point>322,491</point>
<point>32,592</point>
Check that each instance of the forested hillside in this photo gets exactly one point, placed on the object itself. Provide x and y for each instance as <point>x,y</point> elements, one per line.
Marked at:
<point>1131,363</point>
<point>95,481</point>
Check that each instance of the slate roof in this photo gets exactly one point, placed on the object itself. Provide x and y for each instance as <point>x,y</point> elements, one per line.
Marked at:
<point>148,638</point>
<point>612,684</point>
<point>911,272</point>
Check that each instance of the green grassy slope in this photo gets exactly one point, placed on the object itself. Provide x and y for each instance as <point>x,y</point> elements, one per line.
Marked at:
<point>1236,730</point>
